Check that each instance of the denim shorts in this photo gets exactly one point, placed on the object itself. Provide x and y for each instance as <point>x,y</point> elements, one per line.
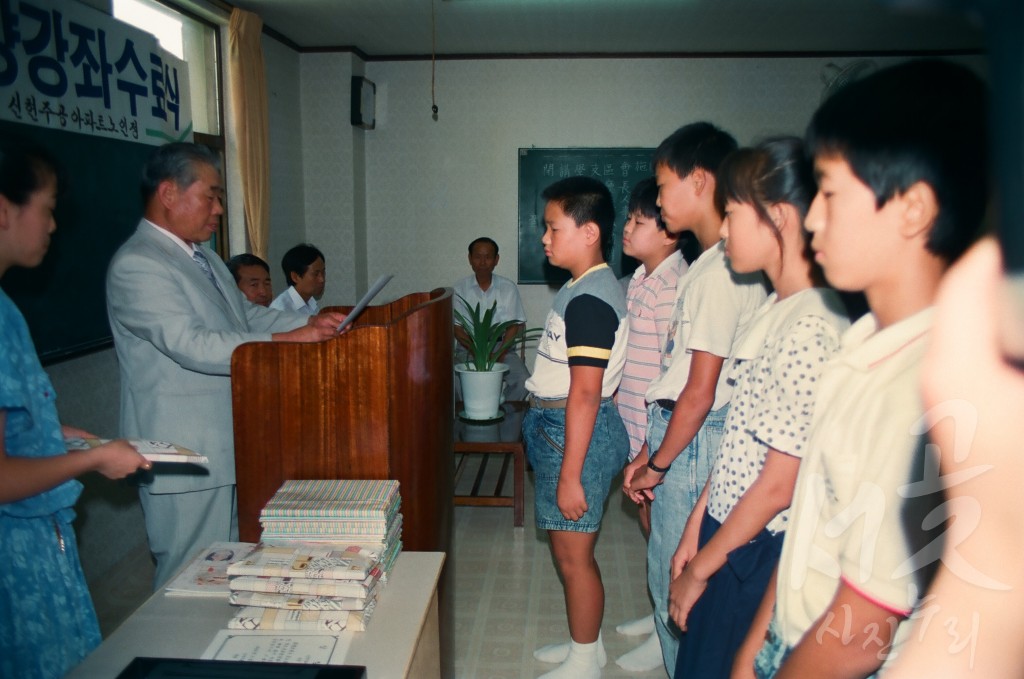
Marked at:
<point>774,652</point>
<point>544,435</point>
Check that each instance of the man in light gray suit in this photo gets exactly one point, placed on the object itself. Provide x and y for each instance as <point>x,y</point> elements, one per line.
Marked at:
<point>176,316</point>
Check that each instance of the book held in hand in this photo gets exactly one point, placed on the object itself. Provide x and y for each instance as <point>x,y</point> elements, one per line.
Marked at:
<point>154,451</point>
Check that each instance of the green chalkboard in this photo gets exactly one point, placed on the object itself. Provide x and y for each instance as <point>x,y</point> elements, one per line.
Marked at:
<point>619,168</point>
<point>99,205</point>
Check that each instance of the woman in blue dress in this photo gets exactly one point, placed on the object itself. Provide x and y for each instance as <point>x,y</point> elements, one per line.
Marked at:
<point>47,621</point>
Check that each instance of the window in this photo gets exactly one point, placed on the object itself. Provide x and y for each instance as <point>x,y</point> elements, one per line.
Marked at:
<point>196,42</point>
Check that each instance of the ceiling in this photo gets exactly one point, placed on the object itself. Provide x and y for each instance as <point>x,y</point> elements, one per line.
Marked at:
<point>402,28</point>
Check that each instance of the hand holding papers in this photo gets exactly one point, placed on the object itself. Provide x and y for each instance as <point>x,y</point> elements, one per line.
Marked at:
<point>377,286</point>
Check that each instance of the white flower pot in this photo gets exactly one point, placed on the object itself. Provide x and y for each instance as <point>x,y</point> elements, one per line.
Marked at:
<point>481,391</point>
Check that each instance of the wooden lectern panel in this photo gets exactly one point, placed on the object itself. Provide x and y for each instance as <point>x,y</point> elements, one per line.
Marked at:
<point>373,403</point>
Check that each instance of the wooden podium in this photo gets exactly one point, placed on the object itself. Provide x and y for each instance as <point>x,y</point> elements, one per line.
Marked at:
<point>373,403</point>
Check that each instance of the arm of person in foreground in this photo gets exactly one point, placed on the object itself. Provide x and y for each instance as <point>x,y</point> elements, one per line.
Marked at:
<point>851,639</point>
<point>23,477</point>
<point>970,622</point>
<point>770,493</point>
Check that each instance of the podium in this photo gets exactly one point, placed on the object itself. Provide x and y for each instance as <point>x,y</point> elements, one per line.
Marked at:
<point>372,403</point>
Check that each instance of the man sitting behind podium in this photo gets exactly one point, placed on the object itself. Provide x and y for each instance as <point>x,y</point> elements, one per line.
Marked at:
<point>252,276</point>
<point>176,316</point>
<point>484,287</point>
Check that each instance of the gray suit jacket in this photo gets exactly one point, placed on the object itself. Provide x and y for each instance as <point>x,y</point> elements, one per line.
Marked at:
<point>174,333</point>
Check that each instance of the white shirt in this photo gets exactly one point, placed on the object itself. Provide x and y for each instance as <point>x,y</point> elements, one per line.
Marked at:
<point>778,368</point>
<point>291,300</point>
<point>713,307</point>
<point>502,290</point>
<point>864,486</point>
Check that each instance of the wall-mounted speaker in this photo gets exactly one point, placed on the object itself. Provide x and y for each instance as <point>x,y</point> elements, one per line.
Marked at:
<point>364,103</point>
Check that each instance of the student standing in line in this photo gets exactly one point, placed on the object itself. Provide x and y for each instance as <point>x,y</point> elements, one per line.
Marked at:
<point>305,270</point>
<point>740,518</point>
<point>47,620</point>
<point>574,435</point>
<point>690,397</point>
<point>902,167</point>
<point>650,299</point>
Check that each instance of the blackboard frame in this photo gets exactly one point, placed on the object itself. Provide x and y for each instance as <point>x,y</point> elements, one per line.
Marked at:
<point>619,167</point>
<point>99,205</point>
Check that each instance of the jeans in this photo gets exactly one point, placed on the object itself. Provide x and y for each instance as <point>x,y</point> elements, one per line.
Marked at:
<point>544,435</point>
<point>673,501</point>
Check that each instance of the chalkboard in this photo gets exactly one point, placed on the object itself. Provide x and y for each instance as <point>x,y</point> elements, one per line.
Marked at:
<point>98,207</point>
<point>619,168</point>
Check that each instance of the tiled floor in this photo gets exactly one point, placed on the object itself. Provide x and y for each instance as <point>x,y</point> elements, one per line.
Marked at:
<point>508,599</point>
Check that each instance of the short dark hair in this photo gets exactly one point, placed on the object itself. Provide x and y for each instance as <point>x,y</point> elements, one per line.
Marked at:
<point>24,169</point>
<point>179,162</point>
<point>919,121</point>
<point>585,199</point>
<point>245,259</point>
<point>643,200</point>
<point>775,171</point>
<point>483,239</point>
<point>697,145</point>
<point>298,259</point>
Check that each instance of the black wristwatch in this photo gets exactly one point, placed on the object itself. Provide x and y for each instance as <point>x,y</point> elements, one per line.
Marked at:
<point>655,468</point>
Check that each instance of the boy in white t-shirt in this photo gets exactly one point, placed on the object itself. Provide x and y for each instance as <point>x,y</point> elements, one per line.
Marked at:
<point>689,399</point>
<point>902,170</point>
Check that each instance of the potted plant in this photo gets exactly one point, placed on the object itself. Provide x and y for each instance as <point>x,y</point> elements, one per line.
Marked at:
<point>482,375</point>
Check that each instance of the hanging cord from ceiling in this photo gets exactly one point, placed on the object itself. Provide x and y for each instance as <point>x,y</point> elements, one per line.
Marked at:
<point>433,60</point>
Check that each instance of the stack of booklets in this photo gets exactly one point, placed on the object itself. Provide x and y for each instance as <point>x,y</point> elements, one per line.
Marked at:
<point>325,551</point>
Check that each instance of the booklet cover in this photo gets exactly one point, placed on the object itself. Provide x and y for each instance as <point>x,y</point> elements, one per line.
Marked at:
<point>207,574</point>
<point>252,617</point>
<point>301,602</point>
<point>340,588</point>
<point>154,451</point>
<point>307,561</point>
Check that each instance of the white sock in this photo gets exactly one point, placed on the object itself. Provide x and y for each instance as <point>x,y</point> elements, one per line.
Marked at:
<point>553,653</point>
<point>647,656</point>
<point>633,628</point>
<point>580,663</point>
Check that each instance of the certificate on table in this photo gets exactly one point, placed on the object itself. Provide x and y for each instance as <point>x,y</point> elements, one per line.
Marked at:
<point>309,648</point>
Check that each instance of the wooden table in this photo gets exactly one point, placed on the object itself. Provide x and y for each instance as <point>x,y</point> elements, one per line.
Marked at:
<point>503,437</point>
<point>400,641</point>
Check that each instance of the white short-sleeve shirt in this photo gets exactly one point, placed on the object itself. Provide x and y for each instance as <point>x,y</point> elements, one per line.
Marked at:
<point>865,485</point>
<point>502,290</point>
<point>713,307</point>
<point>291,300</point>
<point>776,374</point>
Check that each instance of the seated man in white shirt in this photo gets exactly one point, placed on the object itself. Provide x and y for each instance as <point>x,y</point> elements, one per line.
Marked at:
<point>484,287</point>
<point>305,270</point>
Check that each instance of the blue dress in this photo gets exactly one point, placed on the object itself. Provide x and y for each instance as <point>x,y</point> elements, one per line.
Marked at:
<point>47,621</point>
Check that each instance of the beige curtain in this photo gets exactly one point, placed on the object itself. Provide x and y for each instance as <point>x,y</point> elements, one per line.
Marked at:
<point>249,100</point>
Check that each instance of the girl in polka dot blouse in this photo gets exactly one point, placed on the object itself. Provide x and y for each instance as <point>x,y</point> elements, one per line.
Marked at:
<point>734,536</point>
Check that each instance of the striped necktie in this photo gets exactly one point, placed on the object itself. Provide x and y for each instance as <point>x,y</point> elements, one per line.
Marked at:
<point>204,264</point>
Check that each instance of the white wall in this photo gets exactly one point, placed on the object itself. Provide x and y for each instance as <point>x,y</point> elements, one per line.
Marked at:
<point>434,186</point>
